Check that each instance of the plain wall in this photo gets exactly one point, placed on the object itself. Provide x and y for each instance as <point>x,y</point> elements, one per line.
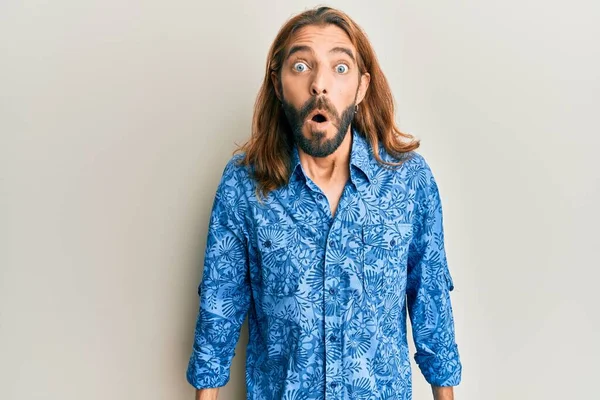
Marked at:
<point>117,118</point>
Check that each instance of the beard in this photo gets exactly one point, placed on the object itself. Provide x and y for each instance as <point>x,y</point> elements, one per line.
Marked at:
<point>317,145</point>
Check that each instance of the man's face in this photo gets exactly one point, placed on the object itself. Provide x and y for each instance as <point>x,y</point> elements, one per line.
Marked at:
<point>319,87</point>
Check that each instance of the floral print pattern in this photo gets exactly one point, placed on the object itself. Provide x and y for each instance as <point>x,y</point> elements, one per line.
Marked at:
<point>328,296</point>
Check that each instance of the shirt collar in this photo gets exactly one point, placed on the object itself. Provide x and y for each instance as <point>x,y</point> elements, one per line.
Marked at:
<point>296,167</point>
<point>360,157</point>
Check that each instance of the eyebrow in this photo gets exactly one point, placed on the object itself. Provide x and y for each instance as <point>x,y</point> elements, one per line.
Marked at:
<point>344,50</point>
<point>298,48</point>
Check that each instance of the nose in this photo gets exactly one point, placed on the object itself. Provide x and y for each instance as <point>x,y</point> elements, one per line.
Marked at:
<point>318,85</point>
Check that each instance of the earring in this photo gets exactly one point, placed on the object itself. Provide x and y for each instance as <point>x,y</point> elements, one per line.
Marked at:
<point>356,109</point>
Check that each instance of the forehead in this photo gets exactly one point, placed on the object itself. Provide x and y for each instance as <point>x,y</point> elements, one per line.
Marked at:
<point>321,36</point>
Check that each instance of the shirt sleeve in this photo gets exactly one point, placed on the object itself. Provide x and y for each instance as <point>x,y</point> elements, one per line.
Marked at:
<point>224,290</point>
<point>428,288</point>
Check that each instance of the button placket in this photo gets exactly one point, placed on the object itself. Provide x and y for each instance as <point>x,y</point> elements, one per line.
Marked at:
<point>336,241</point>
<point>332,322</point>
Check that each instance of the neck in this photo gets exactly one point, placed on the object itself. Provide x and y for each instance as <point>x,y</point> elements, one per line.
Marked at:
<point>335,168</point>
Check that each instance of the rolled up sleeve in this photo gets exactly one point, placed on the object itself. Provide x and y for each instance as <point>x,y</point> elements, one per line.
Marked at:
<point>224,291</point>
<point>428,289</point>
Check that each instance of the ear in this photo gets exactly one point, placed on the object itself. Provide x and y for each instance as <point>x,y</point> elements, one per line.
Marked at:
<point>275,81</point>
<point>363,85</point>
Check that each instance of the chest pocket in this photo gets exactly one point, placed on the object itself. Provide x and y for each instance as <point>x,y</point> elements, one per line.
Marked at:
<point>385,258</point>
<point>278,271</point>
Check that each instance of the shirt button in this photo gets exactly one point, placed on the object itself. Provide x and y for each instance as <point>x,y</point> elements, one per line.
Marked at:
<point>332,291</point>
<point>320,197</point>
<point>393,242</point>
<point>333,385</point>
<point>333,338</point>
<point>331,243</point>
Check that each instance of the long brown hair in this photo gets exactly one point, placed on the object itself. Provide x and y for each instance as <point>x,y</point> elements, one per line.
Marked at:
<point>268,152</point>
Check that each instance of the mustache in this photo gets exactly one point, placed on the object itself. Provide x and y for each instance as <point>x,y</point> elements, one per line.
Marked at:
<point>321,103</point>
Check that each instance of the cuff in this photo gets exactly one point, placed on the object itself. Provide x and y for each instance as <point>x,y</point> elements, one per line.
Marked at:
<point>206,370</point>
<point>442,368</point>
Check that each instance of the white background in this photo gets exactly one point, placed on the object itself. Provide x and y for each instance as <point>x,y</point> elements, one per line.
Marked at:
<point>117,118</point>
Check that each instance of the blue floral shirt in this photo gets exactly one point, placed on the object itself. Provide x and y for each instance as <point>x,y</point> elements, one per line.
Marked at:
<point>327,296</point>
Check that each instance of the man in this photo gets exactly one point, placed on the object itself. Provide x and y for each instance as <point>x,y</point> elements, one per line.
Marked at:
<point>326,231</point>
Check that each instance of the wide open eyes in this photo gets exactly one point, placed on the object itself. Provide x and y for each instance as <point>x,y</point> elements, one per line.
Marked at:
<point>341,68</point>
<point>300,67</point>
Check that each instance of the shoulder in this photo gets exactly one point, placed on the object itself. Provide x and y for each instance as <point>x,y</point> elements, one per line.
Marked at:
<point>235,180</point>
<point>413,164</point>
<point>234,166</point>
<point>415,173</point>
<point>236,170</point>
<point>421,179</point>
<point>417,162</point>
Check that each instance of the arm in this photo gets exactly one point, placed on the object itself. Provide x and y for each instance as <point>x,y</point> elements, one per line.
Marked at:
<point>442,392</point>
<point>207,394</point>
<point>428,292</point>
<point>224,292</point>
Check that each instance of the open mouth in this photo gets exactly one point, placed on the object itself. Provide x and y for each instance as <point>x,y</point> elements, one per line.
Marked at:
<point>318,117</point>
